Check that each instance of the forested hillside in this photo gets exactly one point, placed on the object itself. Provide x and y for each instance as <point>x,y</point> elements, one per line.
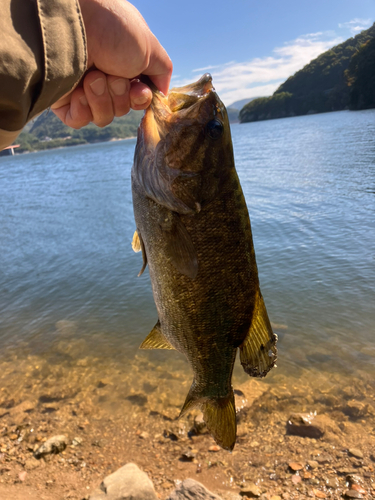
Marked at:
<point>49,132</point>
<point>338,79</point>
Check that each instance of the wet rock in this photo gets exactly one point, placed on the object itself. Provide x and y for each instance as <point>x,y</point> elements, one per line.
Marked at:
<point>356,409</point>
<point>295,466</point>
<point>354,452</point>
<point>358,488</point>
<point>188,456</point>
<point>53,445</point>
<point>332,482</point>
<point>319,493</point>
<point>352,494</point>
<point>354,479</point>
<point>127,483</point>
<point>251,491</point>
<point>199,426</point>
<point>305,425</point>
<point>313,464</point>
<point>192,490</point>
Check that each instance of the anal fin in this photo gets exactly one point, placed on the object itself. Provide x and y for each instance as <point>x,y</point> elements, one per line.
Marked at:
<point>258,352</point>
<point>155,339</point>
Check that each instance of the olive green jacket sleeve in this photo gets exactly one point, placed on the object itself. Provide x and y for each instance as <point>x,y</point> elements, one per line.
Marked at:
<point>42,57</point>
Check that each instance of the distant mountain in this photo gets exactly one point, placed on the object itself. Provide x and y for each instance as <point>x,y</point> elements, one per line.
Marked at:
<point>340,78</point>
<point>233,115</point>
<point>48,132</point>
<point>241,103</point>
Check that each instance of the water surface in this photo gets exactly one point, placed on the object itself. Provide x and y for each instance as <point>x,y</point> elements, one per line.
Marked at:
<point>68,276</point>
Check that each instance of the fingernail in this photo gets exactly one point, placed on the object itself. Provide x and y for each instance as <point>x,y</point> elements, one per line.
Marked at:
<point>140,100</point>
<point>119,86</point>
<point>98,86</point>
<point>83,100</point>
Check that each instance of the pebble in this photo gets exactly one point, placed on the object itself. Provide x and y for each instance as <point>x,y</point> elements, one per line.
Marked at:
<point>358,488</point>
<point>332,482</point>
<point>55,444</point>
<point>354,479</point>
<point>144,435</point>
<point>296,479</point>
<point>352,494</point>
<point>296,466</point>
<point>77,441</point>
<point>214,448</point>
<point>251,491</point>
<point>319,493</point>
<point>13,437</point>
<point>313,464</point>
<point>354,452</point>
<point>22,475</point>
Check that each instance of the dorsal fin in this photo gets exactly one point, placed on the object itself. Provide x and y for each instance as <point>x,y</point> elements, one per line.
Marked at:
<point>155,339</point>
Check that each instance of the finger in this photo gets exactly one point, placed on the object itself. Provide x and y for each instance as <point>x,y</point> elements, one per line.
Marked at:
<point>77,113</point>
<point>99,98</point>
<point>160,67</point>
<point>140,95</point>
<point>119,89</point>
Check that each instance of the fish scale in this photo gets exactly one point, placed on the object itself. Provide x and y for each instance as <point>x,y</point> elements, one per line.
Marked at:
<point>194,231</point>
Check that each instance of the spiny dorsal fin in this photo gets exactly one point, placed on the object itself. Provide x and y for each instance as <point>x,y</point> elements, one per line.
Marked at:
<point>136,243</point>
<point>258,352</point>
<point>218,413</point>
<point>156,340</point>
<point>137,246</point>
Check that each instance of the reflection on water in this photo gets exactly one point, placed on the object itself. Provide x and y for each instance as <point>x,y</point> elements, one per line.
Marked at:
<point>72,307</point>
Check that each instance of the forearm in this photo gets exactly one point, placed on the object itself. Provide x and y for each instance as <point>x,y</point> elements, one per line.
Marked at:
<point>42,57</point>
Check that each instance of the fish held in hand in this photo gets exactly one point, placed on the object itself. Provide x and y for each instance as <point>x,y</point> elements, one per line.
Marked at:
<point>193,229</point>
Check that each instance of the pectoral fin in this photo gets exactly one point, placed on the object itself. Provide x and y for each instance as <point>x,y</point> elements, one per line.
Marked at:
<point>156,340</point>
<point>258,353</point>
<point>179,247</point>
<point>137,246</point>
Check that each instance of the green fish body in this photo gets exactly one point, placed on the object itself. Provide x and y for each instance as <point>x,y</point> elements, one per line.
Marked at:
<point>194,231</point>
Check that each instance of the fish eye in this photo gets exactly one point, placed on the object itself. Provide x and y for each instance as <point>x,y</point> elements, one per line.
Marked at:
<point>214,129</point>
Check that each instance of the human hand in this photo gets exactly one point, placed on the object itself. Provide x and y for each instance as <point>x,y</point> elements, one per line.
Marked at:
<point>120,47</point>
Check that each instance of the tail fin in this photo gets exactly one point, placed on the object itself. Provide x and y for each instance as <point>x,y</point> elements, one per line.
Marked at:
<point>219,415</point>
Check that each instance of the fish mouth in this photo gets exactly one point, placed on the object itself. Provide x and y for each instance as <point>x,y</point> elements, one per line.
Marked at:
<point>186,102</point>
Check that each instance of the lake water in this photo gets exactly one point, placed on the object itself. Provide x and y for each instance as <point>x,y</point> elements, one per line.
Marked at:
<point>68,276</point>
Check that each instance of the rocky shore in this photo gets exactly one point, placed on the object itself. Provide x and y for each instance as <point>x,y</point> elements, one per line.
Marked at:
<point>69,420</point>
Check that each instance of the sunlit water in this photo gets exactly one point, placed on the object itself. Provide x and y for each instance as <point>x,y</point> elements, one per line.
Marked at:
<point>68,276</point>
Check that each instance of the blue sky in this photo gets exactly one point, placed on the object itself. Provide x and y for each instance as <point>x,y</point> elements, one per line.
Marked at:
<point>250,46</point>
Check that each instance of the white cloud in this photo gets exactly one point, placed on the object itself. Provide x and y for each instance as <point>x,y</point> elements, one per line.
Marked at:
<point>262,76</point>
<point>356,25</point>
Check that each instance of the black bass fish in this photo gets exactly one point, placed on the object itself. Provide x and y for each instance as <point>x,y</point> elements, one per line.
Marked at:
<point>193,229</point>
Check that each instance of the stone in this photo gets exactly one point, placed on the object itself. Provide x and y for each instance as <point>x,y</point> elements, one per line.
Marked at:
<point>354,452</point>
<point>251,490</point>
<point>304,425</point>
<point>352,494</point>
<point>356,409</point>
<point>199,426</point>
<point>319,493</point>
<point>358,488</point>
<point>313,464</point>
<point>127,483</point>
<point>332,482</point>
<point>214,448</point>
<point>76,441</point>
<point>192,490</point>
<point>354,479</point>
<point>53,445</point>
<point>296,479</point>
<point>295,466</point>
